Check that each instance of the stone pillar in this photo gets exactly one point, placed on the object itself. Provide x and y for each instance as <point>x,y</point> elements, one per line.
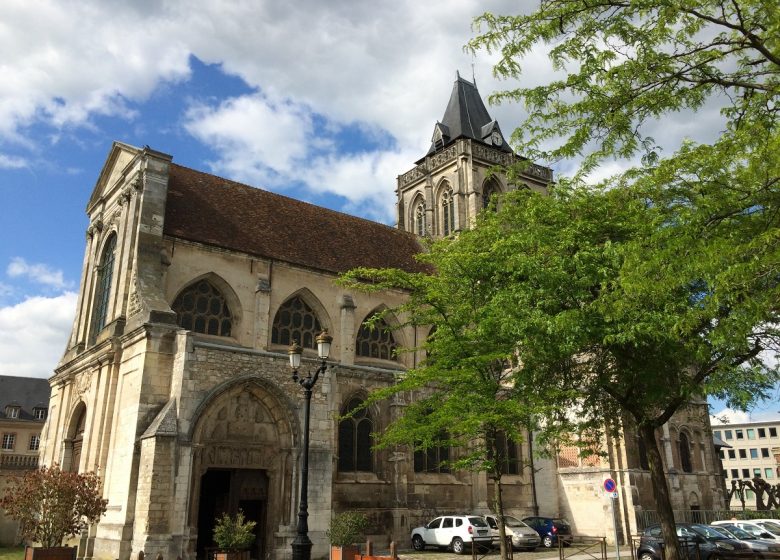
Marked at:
<point>262,311</point>
<point>347,334</point>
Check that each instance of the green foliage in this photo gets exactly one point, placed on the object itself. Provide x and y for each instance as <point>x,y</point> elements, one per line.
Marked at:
<point>51,504</point>
<point>347,528</point>
<point>234,532</point>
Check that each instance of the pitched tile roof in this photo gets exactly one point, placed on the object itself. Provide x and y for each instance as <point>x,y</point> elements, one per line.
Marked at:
<point>216,211</point>
<point>25,392</point>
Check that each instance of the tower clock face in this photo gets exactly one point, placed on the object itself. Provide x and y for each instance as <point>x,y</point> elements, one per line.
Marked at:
<point>496,139</point>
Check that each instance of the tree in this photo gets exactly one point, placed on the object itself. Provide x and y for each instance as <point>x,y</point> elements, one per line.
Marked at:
<point>708,266</point>
<point>461,395</point>
<point>51,504</point>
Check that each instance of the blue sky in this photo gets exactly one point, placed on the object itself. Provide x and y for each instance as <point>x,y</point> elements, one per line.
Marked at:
<point>324,101</point>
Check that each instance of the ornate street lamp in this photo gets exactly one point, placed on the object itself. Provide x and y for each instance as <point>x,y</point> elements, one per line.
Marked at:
<point>301,546</point>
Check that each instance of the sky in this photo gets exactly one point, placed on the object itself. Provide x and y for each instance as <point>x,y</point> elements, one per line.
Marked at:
<point>327,102</point>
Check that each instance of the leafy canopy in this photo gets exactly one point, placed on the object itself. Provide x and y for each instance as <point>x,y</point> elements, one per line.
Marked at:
<point>51,504</point>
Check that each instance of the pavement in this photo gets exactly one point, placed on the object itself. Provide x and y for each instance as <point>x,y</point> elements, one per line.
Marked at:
<point>570,553</point>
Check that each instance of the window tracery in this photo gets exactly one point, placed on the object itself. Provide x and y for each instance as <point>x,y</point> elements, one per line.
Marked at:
<point>420,220</point>
<point>103,287</point>
<point>447,212</point>
<point>377,342</point>
<point>296,321</point>
<point>202,308</point>
<point>354,446</point>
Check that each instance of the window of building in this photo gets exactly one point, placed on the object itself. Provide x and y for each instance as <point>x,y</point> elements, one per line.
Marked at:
<point>420,219</point>
<point>732,454</point>
<point>35,442</point>
<point>750,495</point>
<point>103,287</point>
<point>745,473</point>
<point>508,454</point>
<point>765,452</point>
<point>722,455</point>
<point>447,212</point>
<point>202,308</point>
<point>355,439</point>
<point>716,433</point>
<point>769,472</point>
<point>685,453</point>
<point>742,454</point>
<point>729,435</point>
<point>296,321</point>
<point>9,440</point>
<point>489,190</point>
<point>751,433</point>
<point>40,413</point>
<point>754,453</point>
<point>772,432</point>
<point>12,411</point>
<point>434,459</point>
<point>734,473</point>
<point>757,472</point>
<point>761,432</point>
<point>725,473</point>
<point>376,342</point>
<point>740,434</point>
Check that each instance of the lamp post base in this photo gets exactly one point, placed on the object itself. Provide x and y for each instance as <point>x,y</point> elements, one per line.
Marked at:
<point>301,548</point>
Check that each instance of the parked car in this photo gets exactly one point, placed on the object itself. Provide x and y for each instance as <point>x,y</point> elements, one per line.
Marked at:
<point>762,547</point>
<point>753,526</point>
<point>551,530</point>
<point>523,537</point>
<point>772,526</point>
<point>455,531</point>
<point>711,543</point>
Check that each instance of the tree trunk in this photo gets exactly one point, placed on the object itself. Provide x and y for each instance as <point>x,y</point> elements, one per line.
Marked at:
<point>663,502</point>
<point>499,503</point>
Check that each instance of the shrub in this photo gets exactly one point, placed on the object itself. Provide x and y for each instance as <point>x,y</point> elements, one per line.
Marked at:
<point>234,532</point>
<point>51,504</point>
<point>347,528</point>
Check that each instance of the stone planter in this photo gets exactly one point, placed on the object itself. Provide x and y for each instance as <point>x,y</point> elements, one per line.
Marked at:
<point>50,553</point>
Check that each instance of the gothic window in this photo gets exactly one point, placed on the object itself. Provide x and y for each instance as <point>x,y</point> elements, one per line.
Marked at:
<point>488,191</point>
<point>508,454</point>
<point>296,321</point>
<point>355,439</point>
<point>202,308</point>
<point>434,459</point>
<point>376,342</point>
<point>447,212</point>
<point>78,438</point>
<point>685,453</point>
<point>103,287</point>
<point>420,223</point>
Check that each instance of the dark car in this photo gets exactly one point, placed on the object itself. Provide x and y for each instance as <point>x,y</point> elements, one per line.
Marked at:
<point>551,530</point>
<point>698,542</point>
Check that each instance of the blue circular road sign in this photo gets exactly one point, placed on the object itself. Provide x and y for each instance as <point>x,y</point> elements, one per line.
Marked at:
<point>609,485</point>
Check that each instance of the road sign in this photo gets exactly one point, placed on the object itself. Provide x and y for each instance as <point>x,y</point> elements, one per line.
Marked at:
<point>613,495</point>
<point>609,485</point>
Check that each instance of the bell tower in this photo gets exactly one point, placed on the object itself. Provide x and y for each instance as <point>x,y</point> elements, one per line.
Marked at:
<point>447,187</point>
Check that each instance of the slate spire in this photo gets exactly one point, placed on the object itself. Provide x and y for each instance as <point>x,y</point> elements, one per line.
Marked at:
<point>466,116</point>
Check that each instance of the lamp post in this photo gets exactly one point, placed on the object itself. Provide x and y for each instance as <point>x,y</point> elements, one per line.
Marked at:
<point>301,546</point>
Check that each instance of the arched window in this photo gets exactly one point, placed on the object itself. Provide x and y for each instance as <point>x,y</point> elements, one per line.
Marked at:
<point>78,438</point>
<point>434,459</point>
<point>376,342</point>
<point>355,439</point>
<point>508,454</point>
<point>685,453</point>
<point>447,212</point>
<point>420,221</point>
<point>202,308</point>
<point>295,320</point>
<point>488,191</point>
<point>103,287</point>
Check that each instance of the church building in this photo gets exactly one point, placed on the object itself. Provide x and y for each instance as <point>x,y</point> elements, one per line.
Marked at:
<point>175,385</point>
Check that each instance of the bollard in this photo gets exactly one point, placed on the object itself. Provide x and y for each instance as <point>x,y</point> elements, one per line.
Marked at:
<point>369,548</point>
<point>393,551</point>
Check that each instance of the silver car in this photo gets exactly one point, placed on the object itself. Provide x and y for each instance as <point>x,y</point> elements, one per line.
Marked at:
<point>523,537</point>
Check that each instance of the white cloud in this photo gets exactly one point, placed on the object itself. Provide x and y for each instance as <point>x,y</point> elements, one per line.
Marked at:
<point>767,412</point>
<point>12,162</point>
<point>34,333</point>
<point>37,273</point>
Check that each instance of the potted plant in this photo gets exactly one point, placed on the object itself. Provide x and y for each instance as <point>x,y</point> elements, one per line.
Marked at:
<point>50,505</point>
<point>345,532</point>
<point>233,535</point>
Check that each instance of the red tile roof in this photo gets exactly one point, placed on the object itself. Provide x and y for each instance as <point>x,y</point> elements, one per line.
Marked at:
<point>215,211</point>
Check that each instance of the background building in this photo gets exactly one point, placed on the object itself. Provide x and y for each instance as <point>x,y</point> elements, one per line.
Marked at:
<point>175,386</point>
<point>750,454</point>
<point>23,410</point>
